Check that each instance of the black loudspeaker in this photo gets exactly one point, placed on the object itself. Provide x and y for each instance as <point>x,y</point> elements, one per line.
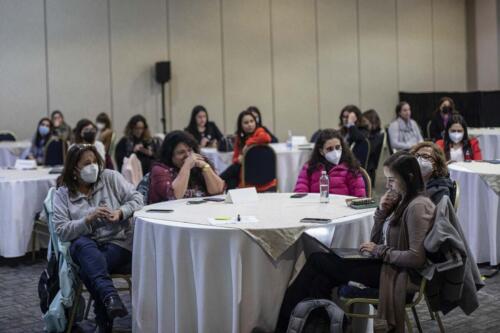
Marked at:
<point>162,72</point>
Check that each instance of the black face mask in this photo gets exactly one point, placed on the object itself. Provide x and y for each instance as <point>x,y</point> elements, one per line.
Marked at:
<point>446,110</point>
<point>89,136</point>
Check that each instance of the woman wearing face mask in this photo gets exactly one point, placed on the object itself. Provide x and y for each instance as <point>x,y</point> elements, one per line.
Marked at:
<point>457,145</point>
<point>44,132</point>
<point>401,223</point>
<point>258,119</point>
<point>61,129</point>
<point>446,108</point>
<point>332,154</point>
<point>248,133</point>
<point>137,140</point>
<point>104,130</point>
<point>86,132</point>
<point>204,131</point>
<point>181,172</point>
<point>92,210</point>
<point>434,171</point>
<point>404,132</point>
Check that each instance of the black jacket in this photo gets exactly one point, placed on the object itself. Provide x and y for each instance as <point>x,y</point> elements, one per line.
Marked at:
<point>212,132</point>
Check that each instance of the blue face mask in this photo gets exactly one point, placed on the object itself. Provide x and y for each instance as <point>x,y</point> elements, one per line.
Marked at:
<point>43,130</point>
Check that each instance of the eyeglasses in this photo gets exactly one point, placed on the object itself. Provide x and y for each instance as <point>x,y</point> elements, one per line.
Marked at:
<point>425,157</point>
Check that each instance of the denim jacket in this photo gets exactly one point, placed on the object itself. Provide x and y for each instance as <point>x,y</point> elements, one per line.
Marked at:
<point>113,191</point>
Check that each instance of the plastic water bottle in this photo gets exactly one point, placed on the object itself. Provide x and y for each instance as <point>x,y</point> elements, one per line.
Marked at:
<point>324,187</point>
<point>289,140</point>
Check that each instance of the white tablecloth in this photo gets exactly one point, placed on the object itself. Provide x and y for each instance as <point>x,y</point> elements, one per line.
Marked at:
<point>290,162</point>
<point>489,141</point>
<point>12,150</point>
<point>200,278</point>
<point>21,196</point>
<point>479,210</point>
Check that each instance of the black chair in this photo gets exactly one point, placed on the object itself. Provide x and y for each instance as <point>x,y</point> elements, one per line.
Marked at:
<point>259,166</point>
<point>361,150</point>
<point>55,152</point>
<point>7,136</point>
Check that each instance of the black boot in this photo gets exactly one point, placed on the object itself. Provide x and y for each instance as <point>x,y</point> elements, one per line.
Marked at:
<point>106,327</point>
<point>114,307</point>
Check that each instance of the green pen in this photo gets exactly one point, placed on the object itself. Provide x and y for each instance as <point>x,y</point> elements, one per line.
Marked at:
<point>223,218</point>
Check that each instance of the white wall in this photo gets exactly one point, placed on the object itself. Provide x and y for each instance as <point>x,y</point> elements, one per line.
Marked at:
<point>299,61</point>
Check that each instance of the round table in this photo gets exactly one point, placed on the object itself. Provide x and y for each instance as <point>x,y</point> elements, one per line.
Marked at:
<point>10,151</point>
<point>489,141</point>
<point>290,161</point>
<point>479,207</point>
<point>191,276</point>
<point>22,193</point>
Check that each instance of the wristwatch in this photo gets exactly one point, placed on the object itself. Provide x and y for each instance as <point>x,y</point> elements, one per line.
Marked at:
<point>205,167</point>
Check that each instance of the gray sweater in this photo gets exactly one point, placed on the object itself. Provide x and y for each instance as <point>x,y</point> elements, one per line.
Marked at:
<point>112,190</point>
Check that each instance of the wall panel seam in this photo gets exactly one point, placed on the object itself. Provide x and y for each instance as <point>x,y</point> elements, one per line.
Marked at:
<point>433,48</point>
<point>273,88</point>
<point>46,36</point>
<point>169,90</point>
<point>316,35</point>
<point>110,59</point>
<point>396,25</point>
<point>223,71</point>
<point>358,45</point>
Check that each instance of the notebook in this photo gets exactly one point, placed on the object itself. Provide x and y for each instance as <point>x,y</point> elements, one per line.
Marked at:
<point>344,253</point>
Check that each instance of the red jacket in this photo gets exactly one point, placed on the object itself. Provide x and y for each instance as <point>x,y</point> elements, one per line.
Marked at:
<point>474,144</point>
<point>342,181</point>
<point>260,136</point>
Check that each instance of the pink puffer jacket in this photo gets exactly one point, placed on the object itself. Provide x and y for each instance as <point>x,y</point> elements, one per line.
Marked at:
<point>342,181</point>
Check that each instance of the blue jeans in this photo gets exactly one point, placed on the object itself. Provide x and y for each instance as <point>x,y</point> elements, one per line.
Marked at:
<point>97,262</point>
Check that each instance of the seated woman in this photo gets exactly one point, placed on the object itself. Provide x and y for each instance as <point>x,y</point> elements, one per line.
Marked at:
<point>404,132</point>
<point>92,210</point>
<point>434,171</point>
<point>457,145</point>
<point>354,128</point>
<point>248,133</point>
<point>86,132</point>
<point>204,131</point>
<point>137,140</point>
<point>181,172</point>
<point>332,154</point>
<point>258,119</point>
<point>44,132</point>
<point>61,129</point>
<point>402,220</point>
<point>376,138</point>
<point>105,135</point>
<point>445,109</point>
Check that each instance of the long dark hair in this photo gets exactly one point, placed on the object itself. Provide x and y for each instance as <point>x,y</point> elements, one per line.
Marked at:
<point>372,116</point>
<point>349,108</point>
<point>168,146</point>
<point>146,135</point>
<point>317,159</point>
<point>38,137</point>
<point>73,156</point>
<point>242,136</point>
<point>103,118</point>
<point>77,132</point>
<point>456,119</point>
<point>444,99</point>
<point>193,127</point>
<point>407,169</point>
<point>399,106</point>
<point>255,109</point>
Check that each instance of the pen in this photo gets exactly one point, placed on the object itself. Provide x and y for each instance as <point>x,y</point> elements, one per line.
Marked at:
<point>222,218</point>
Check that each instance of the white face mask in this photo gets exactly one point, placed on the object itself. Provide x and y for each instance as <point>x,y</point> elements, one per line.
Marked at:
<point>425,166</point>
<point>100,126</point>
<point>89,173</point>
<point>456,137</point>
<point>334,156</point>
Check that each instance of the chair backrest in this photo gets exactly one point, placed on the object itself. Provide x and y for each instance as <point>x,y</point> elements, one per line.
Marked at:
<point>388,140</point>
<point>376,148</point>
<point>7,136</point>
<point>428,129</point>
<point>361,151</point>
<point>55,152</point>
<point>456,199</point>
<point>259,165</point>
<point>368,182</point>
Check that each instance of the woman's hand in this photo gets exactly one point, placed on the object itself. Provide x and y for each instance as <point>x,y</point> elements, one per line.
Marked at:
<point>190,161</point>
<point>138,147</point>
<point>351,119</point>
<point>199,161</point>
<point>368,247</point>
<point>389,201</point>
<point>204,142</point>
<point>98,213</point>
<point>115,216</point>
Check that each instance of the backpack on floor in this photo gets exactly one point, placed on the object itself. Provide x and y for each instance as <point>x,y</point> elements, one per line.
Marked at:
<point>316,316</point>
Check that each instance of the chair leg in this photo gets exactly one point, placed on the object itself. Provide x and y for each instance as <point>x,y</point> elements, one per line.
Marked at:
<point>74,308</point>
<point>429,308</point>
<point>87,308</point>
<point>33,243</point>
<point>440,323</point>
<point>408,322</point>
<point>417,321</point>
